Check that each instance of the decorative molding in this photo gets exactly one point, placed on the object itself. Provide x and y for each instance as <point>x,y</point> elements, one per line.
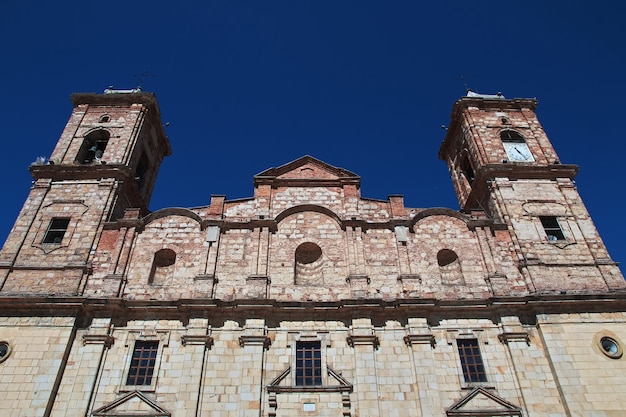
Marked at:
<point>507,337</point>
<point>280,378</point>
<point>499,275</point>
<point>205,340</point>
<point>358,277</point>
<point>206,277</point>
<point>420,339</point>
<point>606,261</point>
<point>410,277</point>
<point>119,407</point>
<point>274,387</point>
<point>259,278</point>
<point>497,406</point>
<point>255,341</point>
<point>363,340</point>
<point>114,276</point>
<point>305,389</point>
<point>95,339</point>
<point>561,244</point>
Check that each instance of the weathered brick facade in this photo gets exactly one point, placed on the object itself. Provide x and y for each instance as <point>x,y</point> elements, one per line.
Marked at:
<point>307,298</point>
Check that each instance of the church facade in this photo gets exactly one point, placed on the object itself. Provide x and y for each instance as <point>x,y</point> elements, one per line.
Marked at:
<point>308,299</point>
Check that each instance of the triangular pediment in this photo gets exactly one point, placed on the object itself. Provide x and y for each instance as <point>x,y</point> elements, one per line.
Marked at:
<point>306,170</point>
<point>481,402</point>
<point>336,383</point>
<point>134,403</point>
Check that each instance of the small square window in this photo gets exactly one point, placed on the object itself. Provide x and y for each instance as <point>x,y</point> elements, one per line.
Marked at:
<point>471,360</point>
<point>308,364</point>
<point>552,228</point>
<point>143,362</point>
<point>56,230</point>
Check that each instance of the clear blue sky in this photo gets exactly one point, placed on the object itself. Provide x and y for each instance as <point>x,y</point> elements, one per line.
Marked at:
<point>365,85</point>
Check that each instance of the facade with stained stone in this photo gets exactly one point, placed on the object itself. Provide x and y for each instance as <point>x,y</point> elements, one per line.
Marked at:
<point>308,299</point>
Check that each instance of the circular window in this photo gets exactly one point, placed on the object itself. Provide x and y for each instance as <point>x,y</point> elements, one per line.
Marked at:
<point>446,257</point>
<point>5,351</point>
<point>307,253</point>
<point>610,347</point>
<point>164,257</point>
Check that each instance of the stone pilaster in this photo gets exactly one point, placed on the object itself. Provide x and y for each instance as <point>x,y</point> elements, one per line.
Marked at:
<point>254,342</point>
<point>529,361</point>
<point>421,342</point>
<point>365,343</point>
<point>83,368</point>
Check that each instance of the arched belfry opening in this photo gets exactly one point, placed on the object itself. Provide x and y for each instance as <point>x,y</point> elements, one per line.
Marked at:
<point>93,147</point>
<point>466,168</point>
<point>308,264</point>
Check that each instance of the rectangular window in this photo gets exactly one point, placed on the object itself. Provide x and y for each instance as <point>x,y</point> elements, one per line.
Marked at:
<point>308,364</point>
<point>553,229</point>
<point>56,230</point>
<point>471,361</point>
<point>142,363</point>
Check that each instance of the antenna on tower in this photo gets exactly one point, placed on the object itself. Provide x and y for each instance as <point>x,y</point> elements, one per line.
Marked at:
<point>142,77</point>
<point>467,89</point>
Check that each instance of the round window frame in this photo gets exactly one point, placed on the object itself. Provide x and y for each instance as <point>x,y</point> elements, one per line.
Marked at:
<point>308,253</point>
<point>616,355</point>
<point>9,350</point>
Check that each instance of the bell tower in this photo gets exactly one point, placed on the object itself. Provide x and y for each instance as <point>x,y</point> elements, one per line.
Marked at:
<point>491,137</point>
<point>105,161</point>
<point>502,163</point>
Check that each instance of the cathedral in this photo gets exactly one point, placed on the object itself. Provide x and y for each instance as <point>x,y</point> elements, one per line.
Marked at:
<point>308,299</point>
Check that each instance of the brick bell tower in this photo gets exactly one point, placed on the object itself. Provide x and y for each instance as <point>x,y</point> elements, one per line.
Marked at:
<point>502,163</point>
<point>105,161</point>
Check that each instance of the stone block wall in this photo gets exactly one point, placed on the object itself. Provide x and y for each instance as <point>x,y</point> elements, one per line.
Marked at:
<point>404,369</point>
<point>36,360</point>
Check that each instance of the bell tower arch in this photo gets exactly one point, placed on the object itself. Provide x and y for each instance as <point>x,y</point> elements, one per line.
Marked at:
<point>502,162</point>
<point>105,161</point>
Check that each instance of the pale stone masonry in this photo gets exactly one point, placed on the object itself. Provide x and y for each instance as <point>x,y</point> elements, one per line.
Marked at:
<point>308,299</point>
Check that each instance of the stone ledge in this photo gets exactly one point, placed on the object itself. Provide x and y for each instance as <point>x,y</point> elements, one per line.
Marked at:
<point>420,339</point>
<point>363,340</point>
<point>255,341</point>
<point>95,339</point>
<point>205,340</point>
<point>358,277</point>
<point>507,337</point>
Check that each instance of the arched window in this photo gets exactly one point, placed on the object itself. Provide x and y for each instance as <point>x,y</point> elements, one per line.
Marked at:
<point>450,267</point>
<point>511,136</point>
<point>162,266</point>
<point>466,168</point>
<point>105,118</point>
<point>516,147</point>
<point>141,171</point>
<point>308,264</point>
<point>93,147</point>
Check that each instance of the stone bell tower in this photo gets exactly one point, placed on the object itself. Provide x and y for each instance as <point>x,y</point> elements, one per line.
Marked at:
<point>105,161</point>
<point>502,163</point>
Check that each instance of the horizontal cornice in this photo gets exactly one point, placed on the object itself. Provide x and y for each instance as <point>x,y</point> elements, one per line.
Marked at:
<point>274,311</point>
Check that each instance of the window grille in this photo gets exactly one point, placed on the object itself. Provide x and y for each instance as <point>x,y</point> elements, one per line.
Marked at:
<point>471,361</point>
<point>308,364</point>
<point>142,364</point>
